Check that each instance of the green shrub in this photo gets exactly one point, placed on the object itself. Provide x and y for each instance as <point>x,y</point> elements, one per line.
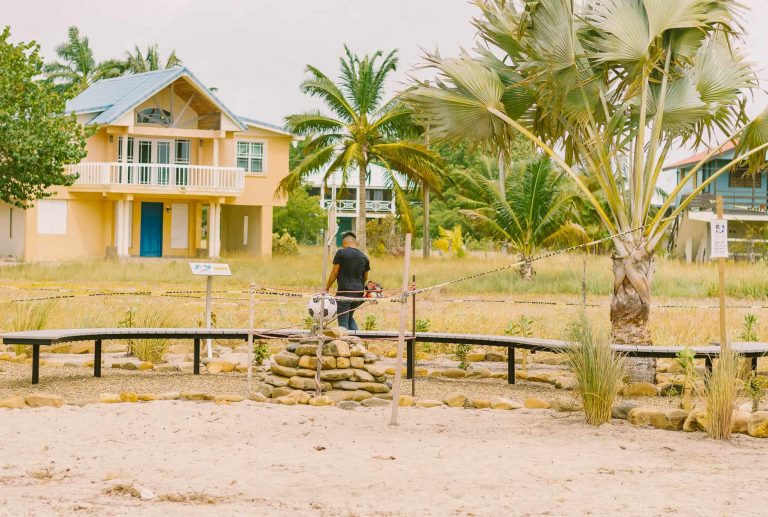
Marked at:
<point>755,388</point>
<point>749,328</point>
<point>260,352</point>
<point>284,244</point>
<point>370,322</point>
<point>685,359</point>
<point>423,324</point>
<point>461,355</point>
<point>599,371</point>
<point>27,315</point>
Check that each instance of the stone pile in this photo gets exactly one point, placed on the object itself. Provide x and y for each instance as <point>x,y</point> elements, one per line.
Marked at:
<point>348,370</point>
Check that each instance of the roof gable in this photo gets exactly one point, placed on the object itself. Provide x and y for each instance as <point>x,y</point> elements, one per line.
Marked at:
<point>110,99</point>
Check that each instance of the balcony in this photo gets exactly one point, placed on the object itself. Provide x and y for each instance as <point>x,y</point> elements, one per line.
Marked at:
<point>157,177</point>
<point>733,201</point>
<point>349,206</point>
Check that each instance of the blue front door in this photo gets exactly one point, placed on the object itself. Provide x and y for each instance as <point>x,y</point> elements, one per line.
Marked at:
<point>151,230</point>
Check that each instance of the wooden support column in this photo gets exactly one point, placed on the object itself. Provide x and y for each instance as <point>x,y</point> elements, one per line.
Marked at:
<point>97,358</point>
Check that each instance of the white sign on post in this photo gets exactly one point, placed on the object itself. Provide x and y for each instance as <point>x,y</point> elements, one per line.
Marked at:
<point>210,270</point>
<point>718,230</point>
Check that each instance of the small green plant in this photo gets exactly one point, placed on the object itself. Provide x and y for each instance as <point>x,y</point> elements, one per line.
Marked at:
<point>451,241</point>
<point>684,359</point>
<point>522,327</point>
<point>370,322</point>
<point>309,322</point>
<point>755,388</point>
<point>720,392</point>
<point>461,355</point>
<point>749,328</point>
<point>423,324</point>
<point>284,244</point>
<point>261,352</point>
<point>599,371</point>
<point>27,315</point>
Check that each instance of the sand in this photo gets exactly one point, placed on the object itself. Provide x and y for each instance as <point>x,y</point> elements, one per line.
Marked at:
<point>265,459</point>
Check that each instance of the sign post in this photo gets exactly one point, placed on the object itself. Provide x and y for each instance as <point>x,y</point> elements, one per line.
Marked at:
<point>719,251</point>
<point>210,270</point>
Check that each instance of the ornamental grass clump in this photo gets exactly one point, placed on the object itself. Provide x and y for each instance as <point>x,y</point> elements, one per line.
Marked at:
<point>719,392</point>
<point>599,371</point>
<point>27,315</point>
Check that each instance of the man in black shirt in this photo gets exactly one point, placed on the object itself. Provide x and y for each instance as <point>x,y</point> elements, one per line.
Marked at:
<point>350,270</point>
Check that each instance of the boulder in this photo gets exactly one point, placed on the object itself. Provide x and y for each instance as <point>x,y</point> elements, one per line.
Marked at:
<point>186,367</point>
<point>406,401</point>
<point>373,387</point>
<point>347,404</point>
<point>504,403</point>
<point>336,348</point>
<point>495,357</point>
<point>565,404</point>
<point>283,371</point>
<point>109,398</point>
<point>621,411</point>
<point>221,367</point>
<point>757,425</point>
<point>475,357</point>
<point>337,375</point>
<point>306,372</point>
<point>346,385</point>
<point>375,402</point>
<point>266,390</point>
<point>361,376</point>
<point>345,362</point>
<point>455,399</point>
<point>147,397</point>
<point>479,372</point>
<point>370,358</point>
<point>740,422</point>
<point>194,395</point>
<point>454,373</point>
<point>378,370</point>
<point>421,372</point>
<point>356,362</point>
<point>322,400</point>
<point>358,395</point>
<point>539,376</point>
<point>228,398</point>
<point>16,402</point>
<point>287,400</point>
<point>537,403</point>
<point>563,382</point>
<point>340,395</point>
<point>169,395</point>
<point>500,375</point>
<point>44,400</point>
<point>129,396</point>
<point>81,348</point>
<point>276,381</point>
<point>428,403</point>
<point>671,389</point>
<point>281,392</point>
<point>302,397</point>
<point>667,419</point>
<point>60,348</point>
<point>306,349</point>
<point>310,362</point>
<point>481,403</point>
<point>696,421</point>
<point>304,383</point>
<point>335,332</point>
<point>639,389</point>
<point>258,397</point>
<point>287,359</point>
<point>145,365</point>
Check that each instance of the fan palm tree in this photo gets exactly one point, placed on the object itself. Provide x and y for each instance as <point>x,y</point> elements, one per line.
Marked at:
<point>533,210</point>
<point>76,68</point>
<point>605,86</point>
<point>137,62</point>
<point>361,129</point>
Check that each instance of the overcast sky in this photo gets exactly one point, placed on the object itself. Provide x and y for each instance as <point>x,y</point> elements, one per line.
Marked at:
<point>255,51</point>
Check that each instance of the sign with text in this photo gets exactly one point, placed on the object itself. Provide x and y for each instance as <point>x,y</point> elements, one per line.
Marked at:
<point>210,269</point>
<point>718,230</point>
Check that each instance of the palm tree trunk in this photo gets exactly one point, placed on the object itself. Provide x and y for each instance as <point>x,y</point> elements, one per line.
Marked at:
<point>630,309</point>
<point>425,238</point>
<point>526,269</point>
<point>361,208</point>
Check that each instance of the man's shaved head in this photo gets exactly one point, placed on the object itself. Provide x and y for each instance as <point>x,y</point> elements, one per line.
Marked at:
<point>349,239</point>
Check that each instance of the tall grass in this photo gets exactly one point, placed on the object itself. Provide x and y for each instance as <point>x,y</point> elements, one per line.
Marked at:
<point>152,350</point>
<point>33,315</point>
<point>719,392</point>
<point>599,371</point>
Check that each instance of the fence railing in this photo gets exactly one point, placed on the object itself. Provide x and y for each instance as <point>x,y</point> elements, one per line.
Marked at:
<point>159,176</point>
<point>350,205</point>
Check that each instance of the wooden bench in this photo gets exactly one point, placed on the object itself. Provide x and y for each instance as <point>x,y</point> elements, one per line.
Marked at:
<point>38,338</point>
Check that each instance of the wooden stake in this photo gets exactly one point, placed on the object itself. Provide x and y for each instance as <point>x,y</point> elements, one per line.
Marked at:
<point>251,310</point>
<point>401,335</point>
<point>721,282</point>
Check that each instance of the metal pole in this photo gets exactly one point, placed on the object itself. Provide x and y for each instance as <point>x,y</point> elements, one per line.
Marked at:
<point>401,335</point>
<point>584,279</point>
<point>321,323</point>
<point>413,343</point>
<point>721,282</point>
<point>208,284</point>
<point>251,310</point>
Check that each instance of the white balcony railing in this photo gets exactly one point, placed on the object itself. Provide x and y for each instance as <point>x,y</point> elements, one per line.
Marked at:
<point>158,176</point>
<point>350,205</point>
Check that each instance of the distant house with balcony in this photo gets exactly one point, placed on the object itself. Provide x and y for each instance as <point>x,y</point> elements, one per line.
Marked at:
<point>170,172</point>
<point>745,197</point>
<point>379,196</point>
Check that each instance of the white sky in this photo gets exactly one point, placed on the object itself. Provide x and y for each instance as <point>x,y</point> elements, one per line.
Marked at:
<point>255,51</point>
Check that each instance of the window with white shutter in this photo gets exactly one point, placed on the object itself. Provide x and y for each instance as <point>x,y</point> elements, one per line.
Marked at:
<point>179,225</point>
<point>52,217</point>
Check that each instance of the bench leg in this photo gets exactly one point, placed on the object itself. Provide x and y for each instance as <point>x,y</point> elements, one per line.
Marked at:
<point>97,359</point>
<point>197,357</point>
<point>754,364</point>
<point>511,365</point>
<point>708,363</point>
<point>35,364</point>
<point>410,356</point>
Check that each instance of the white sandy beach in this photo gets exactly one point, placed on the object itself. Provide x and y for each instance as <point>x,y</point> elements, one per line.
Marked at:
<point>264,459</point>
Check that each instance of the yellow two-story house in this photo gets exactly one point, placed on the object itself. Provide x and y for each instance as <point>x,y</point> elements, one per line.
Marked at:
<point>170,172</point>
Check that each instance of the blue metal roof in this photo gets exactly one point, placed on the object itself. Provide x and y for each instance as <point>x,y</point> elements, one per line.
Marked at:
<point>110,99</point>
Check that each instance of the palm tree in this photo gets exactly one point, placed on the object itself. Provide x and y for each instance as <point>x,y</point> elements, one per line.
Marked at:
<point>532,211</point>
<point>605,86</point>
<point>76,68</point>
<point>361,129</point>
<point>137,62</point>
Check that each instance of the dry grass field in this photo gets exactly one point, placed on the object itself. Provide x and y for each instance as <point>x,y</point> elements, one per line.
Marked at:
<point>485,305</point>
